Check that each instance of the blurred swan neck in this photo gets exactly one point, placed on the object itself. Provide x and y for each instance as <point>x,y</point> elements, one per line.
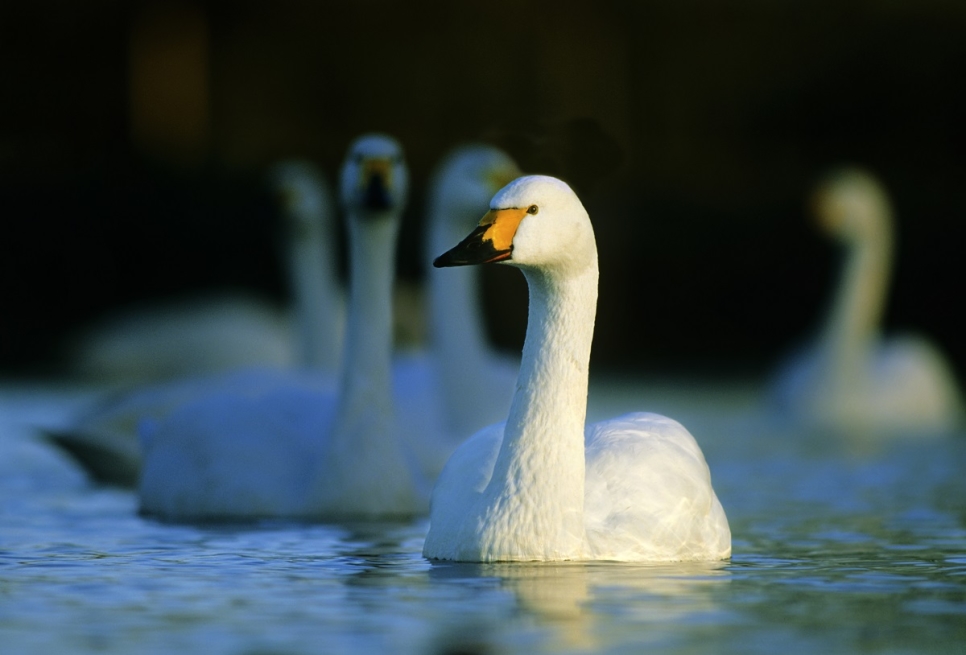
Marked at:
<point>456,317</point>
<point>857,310</point>
<point>316,297</point>
<point>365,386</point>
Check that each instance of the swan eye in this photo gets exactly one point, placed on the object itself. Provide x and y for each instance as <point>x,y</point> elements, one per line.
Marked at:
<point>532,209</point>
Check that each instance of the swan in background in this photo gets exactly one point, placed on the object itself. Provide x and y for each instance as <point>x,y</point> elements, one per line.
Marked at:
<point>318,305</point>
<point>544,485</point>
<point>216,332</point>
<point>469,382</point>
<point>851,378</point>
<point>287,450</point>
<point>103,438</point>
<point>166,339</point>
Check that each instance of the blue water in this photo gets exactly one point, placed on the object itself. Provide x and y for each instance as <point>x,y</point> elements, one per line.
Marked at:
<point>841,545</point>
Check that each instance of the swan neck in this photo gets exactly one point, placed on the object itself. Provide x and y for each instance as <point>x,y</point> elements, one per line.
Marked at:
<point>543,443</point>
<point>857,310</point>
<point>365,379</point>
<point>316,297</point>
<point>458,341</point>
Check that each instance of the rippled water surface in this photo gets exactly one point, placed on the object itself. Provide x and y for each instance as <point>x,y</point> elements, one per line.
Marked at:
<point>852,545</point>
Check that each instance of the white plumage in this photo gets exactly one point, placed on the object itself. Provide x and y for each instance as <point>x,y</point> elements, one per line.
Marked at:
<point>543,485</point>
<point>200,343</point>
<point>292,450</point>
<point>216,332</point>
<point>851,378</point>
<point>467,380</point>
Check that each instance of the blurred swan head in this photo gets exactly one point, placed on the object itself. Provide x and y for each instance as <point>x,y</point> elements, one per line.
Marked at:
<point>851,205</point>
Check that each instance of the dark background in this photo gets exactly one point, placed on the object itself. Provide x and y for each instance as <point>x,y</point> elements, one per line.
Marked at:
<point>134,137</point>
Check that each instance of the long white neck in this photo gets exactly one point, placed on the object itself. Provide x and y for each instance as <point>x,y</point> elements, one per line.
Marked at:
<point>365,471</point>
<point>853,321</point>
<point>317,299</point>
<point>537,486</point>
<point>458,341</point>
<point>365,388</point>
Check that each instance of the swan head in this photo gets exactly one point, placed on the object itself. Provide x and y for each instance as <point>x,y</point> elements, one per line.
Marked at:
<point>374,178</point>
<point>468,177</point>
<point>303,195</point>
<point>851,205</point>
<point>535,221</point>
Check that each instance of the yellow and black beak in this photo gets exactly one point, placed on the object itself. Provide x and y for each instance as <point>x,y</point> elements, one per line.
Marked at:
<point>491,241</point>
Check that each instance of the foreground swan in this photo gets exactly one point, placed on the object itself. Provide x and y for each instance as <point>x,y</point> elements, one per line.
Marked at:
<point>850,378</point>
<point>103,438</point>
<point>543,486</point>
<point>290,450</point>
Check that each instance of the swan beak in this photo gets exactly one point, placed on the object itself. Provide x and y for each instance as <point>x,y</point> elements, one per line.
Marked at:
<point>375,181</point>
<point>491,241</point>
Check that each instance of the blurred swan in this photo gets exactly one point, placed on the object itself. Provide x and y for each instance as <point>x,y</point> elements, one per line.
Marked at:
<point>289,450</point>
<point>318,305</point>
<point>544,485</point>
<point>216,332</point>
<point>200,334</point>
<point>469,382</point>
<point>851,378</point>
<point>103,437</point>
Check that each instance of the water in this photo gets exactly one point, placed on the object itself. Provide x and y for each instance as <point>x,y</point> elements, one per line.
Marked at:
<point>840,546</point>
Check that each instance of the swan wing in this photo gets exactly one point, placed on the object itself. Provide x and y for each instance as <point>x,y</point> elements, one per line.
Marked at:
<point>648,493</point>
<point>457,490</point>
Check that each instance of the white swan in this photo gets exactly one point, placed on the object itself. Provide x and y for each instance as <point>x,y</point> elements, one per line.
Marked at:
<point>461,375</point>
<point>215,332</point>
<point>850,378</point>
<point>103,437</point>
<point>318,306</point>
<point>195,335</point>
<point>288,450</point>
<point>543,486</point>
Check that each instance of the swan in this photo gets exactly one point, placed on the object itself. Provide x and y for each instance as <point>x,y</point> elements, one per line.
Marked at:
<point>193,335</point>
<point>216,332</point>
<point>850,377</point>
<point>103,437</point>
<point>468,382</point>
<point>308,215</point>
<point>288,450</point>
<point>543,485</point>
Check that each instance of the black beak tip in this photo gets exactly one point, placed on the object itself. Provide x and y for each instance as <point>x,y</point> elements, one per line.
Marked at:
<point>443,261</point>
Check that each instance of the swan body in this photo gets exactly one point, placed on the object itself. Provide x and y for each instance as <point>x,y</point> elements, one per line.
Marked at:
<point>219,334</point>
<point>288,450</point>
<point>196,335</point>
<point>210,333</point>
<point>850,377</point>
<point>469,383</point>
<point>543,485</point>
